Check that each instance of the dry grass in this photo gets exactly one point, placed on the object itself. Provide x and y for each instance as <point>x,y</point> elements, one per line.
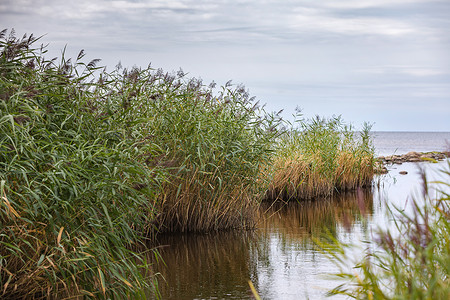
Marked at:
<point>353,171</point>
<point>297,178</point>
<point>193,203</point>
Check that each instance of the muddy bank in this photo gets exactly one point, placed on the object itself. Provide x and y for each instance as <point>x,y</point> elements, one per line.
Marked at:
<point>433,156</point>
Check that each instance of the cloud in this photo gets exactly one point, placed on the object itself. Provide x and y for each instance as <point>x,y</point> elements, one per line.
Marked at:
<point>354,25</point>
<point>411,70</point>
<point>290,52</point>
<point>352,4</point>
<point>264,19</point>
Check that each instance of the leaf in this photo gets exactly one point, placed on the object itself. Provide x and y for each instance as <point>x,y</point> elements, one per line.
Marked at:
<point>8,204</point>
<point>58,240</point>
<point>40,259</point>
<point>254,292</point>
<point>87,293</point>
<point>102,280</point>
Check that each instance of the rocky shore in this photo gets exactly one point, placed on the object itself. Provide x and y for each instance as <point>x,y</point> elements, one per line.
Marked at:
<point>434,156</point>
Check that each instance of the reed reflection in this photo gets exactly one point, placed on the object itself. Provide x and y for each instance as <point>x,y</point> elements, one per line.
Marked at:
<point>276,256</point>
<point>204,266</point>
<point>310,218</point>
<point>288,263</point>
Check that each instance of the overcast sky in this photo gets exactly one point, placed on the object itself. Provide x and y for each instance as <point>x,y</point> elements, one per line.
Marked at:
<point>382,61</point>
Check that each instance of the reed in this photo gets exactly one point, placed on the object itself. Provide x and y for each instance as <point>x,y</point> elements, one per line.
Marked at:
<point>210,146</point>
<point>320,157</point>
<point>216,145</point>
<point>69,212</point>
<point>94,163</point>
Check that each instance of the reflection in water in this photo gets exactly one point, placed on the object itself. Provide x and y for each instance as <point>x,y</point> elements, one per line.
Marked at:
<point>279,257</point>
<point>204,266</point>
<point>312,217</point>
<point>289,265</point>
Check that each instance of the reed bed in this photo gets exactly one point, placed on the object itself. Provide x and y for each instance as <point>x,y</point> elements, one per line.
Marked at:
<point>212,146</point>
<point>70,214</point>
<point>92,163</point>
<point>319,157</point>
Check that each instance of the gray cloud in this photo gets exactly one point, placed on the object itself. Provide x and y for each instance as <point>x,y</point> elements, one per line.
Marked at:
<point>326,56</point>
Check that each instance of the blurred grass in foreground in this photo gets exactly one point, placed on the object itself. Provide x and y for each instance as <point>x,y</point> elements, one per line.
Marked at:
<point>409,261</point>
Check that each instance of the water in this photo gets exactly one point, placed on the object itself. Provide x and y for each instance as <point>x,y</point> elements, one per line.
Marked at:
<point>389,143</point>
<point>280,256</point>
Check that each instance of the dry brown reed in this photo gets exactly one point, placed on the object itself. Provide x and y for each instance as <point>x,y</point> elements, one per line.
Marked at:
<point>303,178</point>
<point>194,202</point>
<point>353,171</point>
<point>297,178</point>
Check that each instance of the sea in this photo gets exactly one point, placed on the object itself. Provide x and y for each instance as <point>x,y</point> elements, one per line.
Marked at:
<point>401,142</point>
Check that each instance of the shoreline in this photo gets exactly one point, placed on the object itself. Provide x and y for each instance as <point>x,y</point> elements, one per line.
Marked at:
<point>413,156</point>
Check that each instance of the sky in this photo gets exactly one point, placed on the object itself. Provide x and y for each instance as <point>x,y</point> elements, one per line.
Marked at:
<point>386,62</point>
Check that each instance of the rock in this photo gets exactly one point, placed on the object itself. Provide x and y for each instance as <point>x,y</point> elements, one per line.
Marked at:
<point>403,172</point>
<point>412,154</point>
<point>414,159</point>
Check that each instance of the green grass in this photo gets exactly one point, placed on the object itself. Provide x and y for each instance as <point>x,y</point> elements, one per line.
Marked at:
<point>70,215</point>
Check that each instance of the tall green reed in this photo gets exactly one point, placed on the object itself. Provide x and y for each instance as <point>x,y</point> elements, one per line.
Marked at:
<point>70,214</point>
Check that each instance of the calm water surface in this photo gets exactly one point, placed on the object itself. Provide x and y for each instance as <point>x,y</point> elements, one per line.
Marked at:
<point>280,256</point>
<point>388,143</point>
